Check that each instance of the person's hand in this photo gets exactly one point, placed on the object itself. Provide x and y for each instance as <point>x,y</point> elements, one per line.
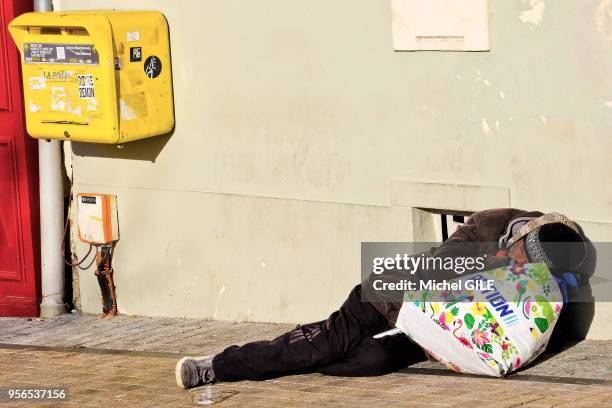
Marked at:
<point>517,252</point>
<point>502,252</point>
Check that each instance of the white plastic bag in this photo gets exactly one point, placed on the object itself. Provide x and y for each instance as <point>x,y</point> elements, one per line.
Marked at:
<point>487,332</point>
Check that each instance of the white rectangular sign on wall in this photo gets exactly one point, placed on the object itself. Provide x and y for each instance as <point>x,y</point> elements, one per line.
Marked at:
<point>440,25</point>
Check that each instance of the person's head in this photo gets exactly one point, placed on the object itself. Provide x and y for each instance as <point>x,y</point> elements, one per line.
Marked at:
<point>557,245</point>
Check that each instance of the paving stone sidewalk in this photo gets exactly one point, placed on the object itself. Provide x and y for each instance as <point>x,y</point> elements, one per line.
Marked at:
<point>129,361</point>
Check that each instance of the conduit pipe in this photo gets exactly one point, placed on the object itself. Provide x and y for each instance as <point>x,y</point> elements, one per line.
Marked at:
<point>51,217</point>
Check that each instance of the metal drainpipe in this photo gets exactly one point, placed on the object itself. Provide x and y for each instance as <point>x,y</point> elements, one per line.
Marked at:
<point>51,217</point>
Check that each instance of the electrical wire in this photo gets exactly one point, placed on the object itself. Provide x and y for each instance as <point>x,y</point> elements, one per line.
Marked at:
<point>63,244</point>
<point>104,272</point>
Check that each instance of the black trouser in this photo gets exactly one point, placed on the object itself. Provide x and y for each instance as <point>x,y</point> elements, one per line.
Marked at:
<point>341,345</point>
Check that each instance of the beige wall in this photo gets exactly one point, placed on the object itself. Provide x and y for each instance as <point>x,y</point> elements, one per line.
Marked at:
<point>300,133</point>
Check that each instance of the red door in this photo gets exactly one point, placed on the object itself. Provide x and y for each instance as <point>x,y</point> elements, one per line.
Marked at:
<point>19,223</point>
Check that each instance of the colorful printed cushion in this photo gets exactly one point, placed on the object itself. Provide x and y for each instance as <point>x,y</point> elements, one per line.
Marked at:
<point>486,331</point>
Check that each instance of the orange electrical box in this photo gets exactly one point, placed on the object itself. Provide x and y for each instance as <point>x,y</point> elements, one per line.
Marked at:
<point>97,217</point>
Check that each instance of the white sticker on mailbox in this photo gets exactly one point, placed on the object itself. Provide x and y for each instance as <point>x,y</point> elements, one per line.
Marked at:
<point>61,52</point>
<point>133,36</point>
<point>37,83</point>
<point>86,86</point>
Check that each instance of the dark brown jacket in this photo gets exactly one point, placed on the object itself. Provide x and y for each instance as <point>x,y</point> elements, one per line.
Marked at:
<point>476,237</point>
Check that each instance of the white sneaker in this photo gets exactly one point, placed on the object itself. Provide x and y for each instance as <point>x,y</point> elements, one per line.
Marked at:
<point>194,371</point>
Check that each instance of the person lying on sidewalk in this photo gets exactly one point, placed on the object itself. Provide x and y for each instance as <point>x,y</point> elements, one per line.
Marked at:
<point>343,344</point>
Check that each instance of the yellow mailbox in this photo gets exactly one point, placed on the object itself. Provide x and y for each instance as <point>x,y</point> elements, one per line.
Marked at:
<point>95,76</point>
